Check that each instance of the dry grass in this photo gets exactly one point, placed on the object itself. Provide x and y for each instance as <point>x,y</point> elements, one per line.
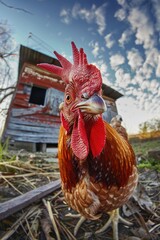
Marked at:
<point>48,219</point>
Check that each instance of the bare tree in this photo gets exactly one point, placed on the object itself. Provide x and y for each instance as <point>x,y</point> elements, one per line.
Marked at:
<point>152,125</point>
<point>8,49</point>
<point>8,57</point>
<point>8,68</point>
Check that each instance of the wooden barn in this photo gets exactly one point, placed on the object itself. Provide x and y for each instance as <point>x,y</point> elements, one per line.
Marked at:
<point>33,119</point>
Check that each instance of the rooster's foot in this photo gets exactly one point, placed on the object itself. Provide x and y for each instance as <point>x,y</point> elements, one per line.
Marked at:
<point>113,219</point>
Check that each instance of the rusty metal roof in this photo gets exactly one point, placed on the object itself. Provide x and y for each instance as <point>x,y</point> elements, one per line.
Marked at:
<point>110,92</point>
<point>28,55</point>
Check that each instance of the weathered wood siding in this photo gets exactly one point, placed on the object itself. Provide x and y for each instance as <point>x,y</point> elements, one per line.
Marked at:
<point>30,122</point>
<point>111,109</point>
<point>33,116</point>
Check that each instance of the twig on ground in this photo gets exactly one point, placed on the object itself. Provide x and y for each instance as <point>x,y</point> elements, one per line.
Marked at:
<point>49,209</point>
<point>11,185</point>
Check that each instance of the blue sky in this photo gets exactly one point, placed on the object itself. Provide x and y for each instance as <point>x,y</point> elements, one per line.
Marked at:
<point>121,37</point>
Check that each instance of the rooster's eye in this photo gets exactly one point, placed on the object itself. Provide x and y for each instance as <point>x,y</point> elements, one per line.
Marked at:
<point>68,98</point>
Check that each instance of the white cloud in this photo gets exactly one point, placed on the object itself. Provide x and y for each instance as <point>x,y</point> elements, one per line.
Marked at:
<point>140,86</point>
<point>116,60</point>
<point>102,66</point>
<point>120,14</point>
<point>145,84</point>
<point>122,79</point>
<point>135,60</point>
<point>95,50</point>
<point>143,28</point>
<point>65,16</point>
<point>146,71</point>
<point>141,102</point>
<point>125,37</point>
<point>152,56</point>
<point>83,13</point>
<point>151,65</point>
<point>93,15</point>
<point>121,2</point>
<point>109,41</point>
<point>154,86</point>
<point>100,19</point>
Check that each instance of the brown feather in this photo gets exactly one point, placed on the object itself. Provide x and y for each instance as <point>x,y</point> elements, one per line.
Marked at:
<point>98,184</point>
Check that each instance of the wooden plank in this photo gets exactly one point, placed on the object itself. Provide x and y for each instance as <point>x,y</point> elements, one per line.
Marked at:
<point>48,129</point>
<point>18,112</point>
<point>20,103</point>
<point>22,96</point>
<point>34,139</point>
<point>14,205</point>
<point>23,121</point>
<point>31,134</point>
<point>40,118</point>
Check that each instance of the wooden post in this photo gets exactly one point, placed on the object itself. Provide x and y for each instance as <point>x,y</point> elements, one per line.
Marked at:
<point>43,147</point>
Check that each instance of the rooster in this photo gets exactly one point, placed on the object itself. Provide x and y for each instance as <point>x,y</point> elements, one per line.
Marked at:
<point>97,165</point>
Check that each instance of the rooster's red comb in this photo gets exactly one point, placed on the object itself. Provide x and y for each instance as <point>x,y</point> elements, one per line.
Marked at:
<point>79,72</point>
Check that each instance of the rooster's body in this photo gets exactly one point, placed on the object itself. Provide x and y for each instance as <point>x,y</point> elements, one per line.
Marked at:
<point>97,165</point>
<point>99,184</point>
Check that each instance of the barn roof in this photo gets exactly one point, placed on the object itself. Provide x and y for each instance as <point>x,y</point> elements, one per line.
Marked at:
<point>34,57</point>
<point>110,92</point>
<point>28,55</point>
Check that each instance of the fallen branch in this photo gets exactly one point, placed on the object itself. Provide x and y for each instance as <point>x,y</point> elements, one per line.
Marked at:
<point>14,205</point>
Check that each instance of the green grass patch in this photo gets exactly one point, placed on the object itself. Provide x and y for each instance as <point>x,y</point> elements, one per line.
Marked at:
<point>4,152</point>
<point>144,146</point>
<point>141,148</point>
<point>150,164</point>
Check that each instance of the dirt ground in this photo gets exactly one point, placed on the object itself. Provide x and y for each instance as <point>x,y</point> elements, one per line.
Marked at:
<point>49,218</point>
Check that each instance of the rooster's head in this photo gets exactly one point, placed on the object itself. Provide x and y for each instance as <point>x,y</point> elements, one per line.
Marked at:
<point>83,104</point>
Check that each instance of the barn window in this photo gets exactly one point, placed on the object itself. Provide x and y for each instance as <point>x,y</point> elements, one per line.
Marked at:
<point>37,95</point>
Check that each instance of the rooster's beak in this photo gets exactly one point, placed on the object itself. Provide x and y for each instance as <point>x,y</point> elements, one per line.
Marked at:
<point>94,105</point>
